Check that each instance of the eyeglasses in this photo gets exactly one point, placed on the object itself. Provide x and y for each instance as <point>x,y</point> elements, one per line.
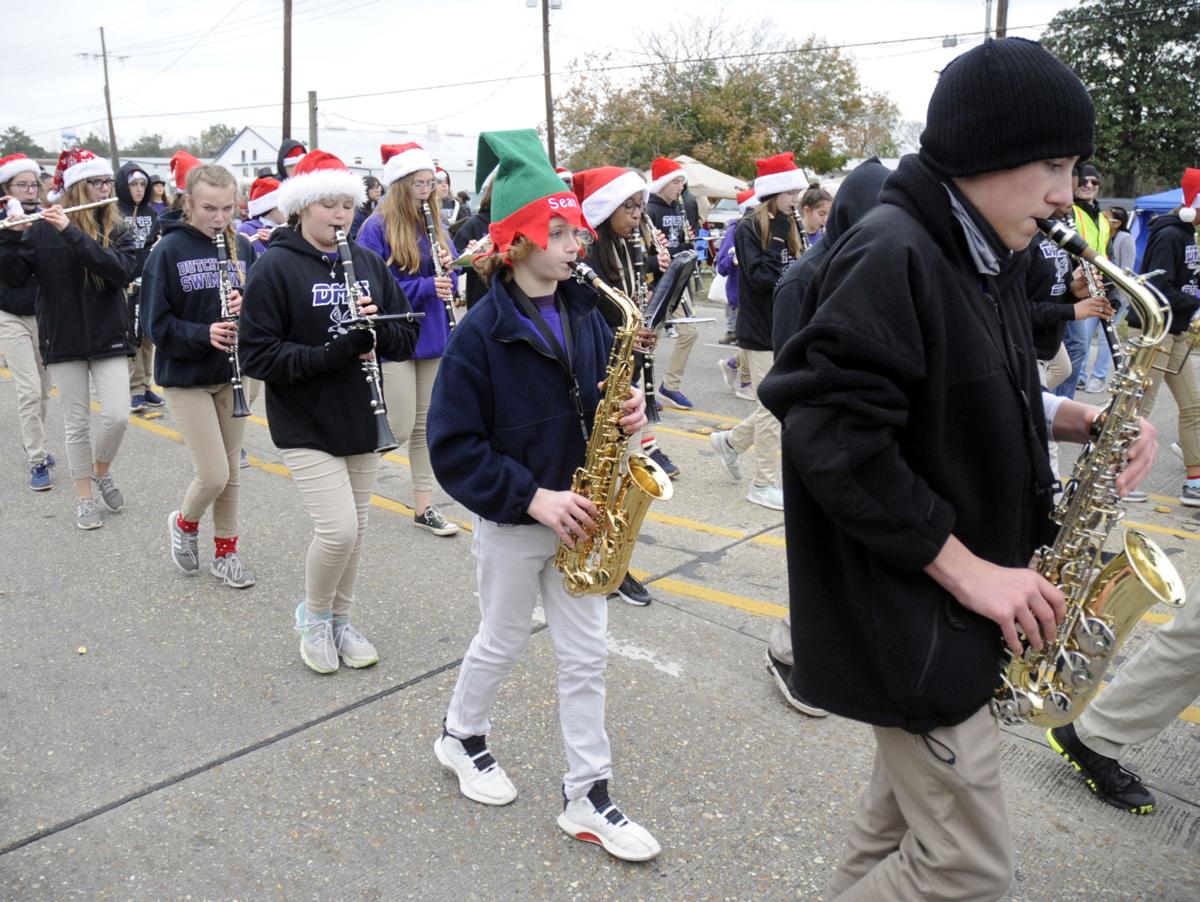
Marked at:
<point>633,206</point>
<point>23,186</point>
<point>1091,181</point>
<point>425,185</point>
<point>101,183</point>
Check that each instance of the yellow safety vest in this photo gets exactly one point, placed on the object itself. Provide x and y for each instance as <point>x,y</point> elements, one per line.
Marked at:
<point>1095,234</point>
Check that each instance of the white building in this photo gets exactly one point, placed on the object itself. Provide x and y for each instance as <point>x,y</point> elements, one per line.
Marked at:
<point>254,148</point>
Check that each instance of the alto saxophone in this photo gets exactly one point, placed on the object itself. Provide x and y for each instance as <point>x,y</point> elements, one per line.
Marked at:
<point>1104,600</point>
<point>620,489</point>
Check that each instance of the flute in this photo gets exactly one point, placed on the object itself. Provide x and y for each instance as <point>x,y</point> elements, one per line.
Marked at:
<point>41,214</point>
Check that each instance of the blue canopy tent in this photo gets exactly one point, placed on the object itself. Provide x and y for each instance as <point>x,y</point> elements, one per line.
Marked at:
<point>1146,208</point>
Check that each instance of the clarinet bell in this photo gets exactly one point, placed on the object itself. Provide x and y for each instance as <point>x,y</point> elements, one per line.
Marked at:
<point>384,440</point>
<point>652,414</point>
<point>240,407</point>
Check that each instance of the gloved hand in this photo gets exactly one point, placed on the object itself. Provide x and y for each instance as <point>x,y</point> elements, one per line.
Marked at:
<point>347,347</point>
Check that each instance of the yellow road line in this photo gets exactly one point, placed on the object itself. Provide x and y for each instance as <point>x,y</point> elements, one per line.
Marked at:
<point>1162,530</point>
<point>686,523</point>
<point>1191,714</point>
<point>715,417</point>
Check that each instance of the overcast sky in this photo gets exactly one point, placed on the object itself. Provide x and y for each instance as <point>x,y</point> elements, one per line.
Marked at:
<point>178,66</point>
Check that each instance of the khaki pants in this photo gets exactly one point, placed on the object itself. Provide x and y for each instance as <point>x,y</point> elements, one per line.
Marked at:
<point>141,368</point>
<point>337,493</point>
<point>1186,391</point>
<point>214,438</point>
<point>407,387</point>
<point>108,376</point>
<point>19,345</point>
<point>928,829</point>
<point>1053,372</point>
<point>1151,689</point>
<point>760,429</point>
<point>687,335</point>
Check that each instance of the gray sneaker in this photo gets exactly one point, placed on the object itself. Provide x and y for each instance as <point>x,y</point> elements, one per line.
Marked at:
<point>87,514</point>
<point>1189,497</point>
<point>729,457</point>
<point>353,647</point>
<point>232,571</point>
<point>433,520</point>
<point>184,546</point>
<point>317,649</point>
<point>110,495</point>
<point>768,496</point>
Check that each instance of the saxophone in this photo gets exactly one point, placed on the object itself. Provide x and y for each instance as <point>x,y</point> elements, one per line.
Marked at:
<point>621,489</point>
<point>1104,600</point>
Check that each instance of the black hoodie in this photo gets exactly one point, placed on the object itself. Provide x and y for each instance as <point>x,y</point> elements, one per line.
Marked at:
<point>81,311</point>
<point>295,304</point>
<point>141,218</point>
<point>1048,285</point>
<point>759,271</point>
<point>912,411</point>
<point>1172,248</point>
<point>180,299</point>
<point>858,193</point>
<point>284,149</point>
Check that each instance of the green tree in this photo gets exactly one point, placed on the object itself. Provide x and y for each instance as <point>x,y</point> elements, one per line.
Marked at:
<point>14,140</point>
<point>1139,59</point>
<point>97,145</point>
<point>214,138</point>
<point>721,95</point>
<point>147,146</point>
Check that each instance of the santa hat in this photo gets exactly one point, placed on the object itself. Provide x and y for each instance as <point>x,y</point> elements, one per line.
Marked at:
<point>294,156</point>
<point>264,196</point>
<point>778,174</point>
<point>604,189</point>
<point>75,165</point>
<point>662,171</point>
<point>400,160</point>
<point>181,164</point>
<point>14,165</point>
<point>441,174</point>
<point>318,176</point>
<point>1191,194</point>
<point>564,173</point>
<point>527,193</point>
<point>745,200</point>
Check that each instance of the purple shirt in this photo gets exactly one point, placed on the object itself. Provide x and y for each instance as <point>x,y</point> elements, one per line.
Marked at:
<point>549,312</point>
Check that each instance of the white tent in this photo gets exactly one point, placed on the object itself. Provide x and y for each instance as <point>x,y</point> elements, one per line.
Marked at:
<point>707,184</point>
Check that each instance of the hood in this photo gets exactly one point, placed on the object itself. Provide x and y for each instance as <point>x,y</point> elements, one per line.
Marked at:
<point>1172,221</point>
<point>284,149</point>
<point>121,180</point>
<point>857,194</point>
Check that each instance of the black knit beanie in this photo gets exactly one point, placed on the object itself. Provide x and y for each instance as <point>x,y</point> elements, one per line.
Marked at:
<point>1003,104</point>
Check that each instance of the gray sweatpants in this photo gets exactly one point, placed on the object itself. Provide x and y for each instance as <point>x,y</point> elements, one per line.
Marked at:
<point>110,376</point>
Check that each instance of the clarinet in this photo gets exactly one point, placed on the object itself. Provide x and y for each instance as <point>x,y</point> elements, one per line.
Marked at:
<point>690,237</point>
<point>1096,290</point>
<point>641,281</point>
<point>240,407</point>
<point>799,220</point>
<point>439,270</point>
<point>384,439</point>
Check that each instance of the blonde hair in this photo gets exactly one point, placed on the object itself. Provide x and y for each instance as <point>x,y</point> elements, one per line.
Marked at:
<point>762,216</point>
<point>404,224</point>
<point>215,177</point>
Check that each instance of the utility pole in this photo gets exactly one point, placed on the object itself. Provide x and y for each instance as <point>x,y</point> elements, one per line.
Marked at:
<point>312,120</point>
<point>287,70</point>
<point>546,75</point>
<point>1001,18</point>
<point>112,132</point>
<point>987,19</point>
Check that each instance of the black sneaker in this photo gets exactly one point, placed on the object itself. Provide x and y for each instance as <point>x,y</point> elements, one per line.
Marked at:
<point>783,679</point>
<point>730,338</point>
<point>632,592</point>
<point>660,457</point>
<point>153,399</point>
<point>1104,776</point>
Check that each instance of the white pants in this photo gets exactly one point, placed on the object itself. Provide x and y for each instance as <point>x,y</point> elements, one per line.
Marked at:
<point>110,376</point>
<point>513,565</point>
<point>19,345</point>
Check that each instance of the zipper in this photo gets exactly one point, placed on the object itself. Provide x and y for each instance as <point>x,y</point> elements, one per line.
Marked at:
<point>933,643</point>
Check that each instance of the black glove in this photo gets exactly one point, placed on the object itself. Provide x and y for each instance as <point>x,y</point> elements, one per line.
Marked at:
<point>347,347</point>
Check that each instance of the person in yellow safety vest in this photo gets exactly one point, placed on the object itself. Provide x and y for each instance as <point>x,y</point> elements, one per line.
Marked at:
<point>1078,336</point>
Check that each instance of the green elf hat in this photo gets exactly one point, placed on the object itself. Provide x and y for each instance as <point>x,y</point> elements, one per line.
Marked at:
<point>526,193</point>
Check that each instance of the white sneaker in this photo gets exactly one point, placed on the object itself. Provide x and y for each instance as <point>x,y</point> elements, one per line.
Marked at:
<point>728,373</point>
<point>480,778</point>
<point>768,496</point>
<point>1096,386</point>
<point>316,642</point>
<point>1177,450</point>
<point>729,458</point>
<point>594,818</point>
<point>745,391</point>
<point>353,647</point>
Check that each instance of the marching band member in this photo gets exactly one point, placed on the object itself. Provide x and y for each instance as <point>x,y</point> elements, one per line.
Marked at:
<point>374,189</point>
<point>264,213</point>
<point>291,152</point>
<point>537,337</point>
<point>472,232</point>
<point>18,327</point>
<point>83,260</point>
<point>181,312</point>
<point>158,195</point>
<point>767,242</point>
<point>397,232</point>
<point>734,370</point>
<point>815,203</point>
<point>132,185</point>
<point>292,335</point>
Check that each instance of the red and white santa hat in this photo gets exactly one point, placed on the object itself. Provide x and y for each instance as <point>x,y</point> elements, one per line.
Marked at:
<point>662,171</point>
<point>264,196</point>
<point>565,174</point>
<point>75,165</point>
<point>1191,194</point>
<point>400,160</point>
<point>318,176</point>
<point>181,164</point>
<point>294,156</point>
<point>746,200</point>
<point>13,165</point>
<point>778,174</point>
<point>605,188</point>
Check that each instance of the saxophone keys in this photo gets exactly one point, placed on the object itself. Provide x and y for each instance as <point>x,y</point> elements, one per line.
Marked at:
<point>1075,670</point>
<point>1059,702</point>
<point>1095,637</point>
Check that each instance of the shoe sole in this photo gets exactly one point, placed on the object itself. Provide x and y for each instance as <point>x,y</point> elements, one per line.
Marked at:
<point>171,537</point>
<point>761,503</point>
<point>787,695</point>
<point>89,526</point>
<point>112,510</point>
<point>1091,784</point>
<point>358,663</point>
<point>738,394</point>
<point>585,835</point>
<point>450,530</point>
<point>1190,502</point>
<point>628,600</point>
<point>41,488</point>
<point>462,787</point>
<point>227,581</point>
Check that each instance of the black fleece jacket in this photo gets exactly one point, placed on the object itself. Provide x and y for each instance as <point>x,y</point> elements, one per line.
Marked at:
<point>1172,248</point>
<point>295,305</point>
<point>181,298</point>
<point>141,218</point>
<point>759,271</point>
<point>1048,285</point>
<point>81,312</point>
<point>912,411</point>
<point>474,229</point>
